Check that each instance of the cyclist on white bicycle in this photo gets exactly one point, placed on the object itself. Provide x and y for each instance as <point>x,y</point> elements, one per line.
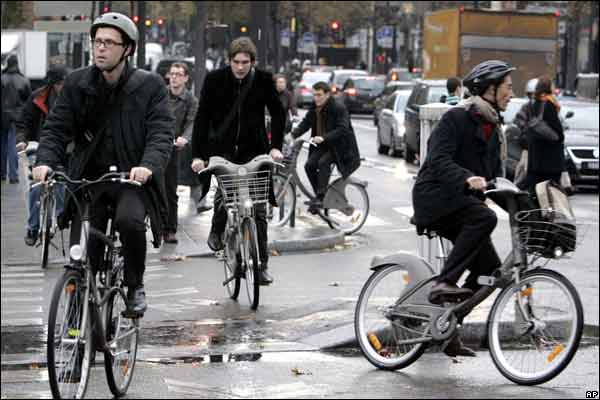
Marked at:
<point>117,116</point>
<point>463,154</point>
<point>230,123</point>
<point>332,132</point>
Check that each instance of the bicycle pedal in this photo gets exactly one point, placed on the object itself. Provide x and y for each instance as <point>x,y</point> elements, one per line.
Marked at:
<point>486,280</point>
<point>131,314</point>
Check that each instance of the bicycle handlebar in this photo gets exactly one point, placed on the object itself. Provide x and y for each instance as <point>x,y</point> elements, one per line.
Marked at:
<point>120,177</point>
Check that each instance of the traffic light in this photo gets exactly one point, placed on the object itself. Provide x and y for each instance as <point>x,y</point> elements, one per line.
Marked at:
<point>243,29</point>
<point>136,18</point>
<point>160,21</point>
<point>148,22</point>
<point>335,26</point>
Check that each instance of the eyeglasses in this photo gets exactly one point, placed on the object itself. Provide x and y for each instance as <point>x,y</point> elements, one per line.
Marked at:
<point>109,44</point>
<point>177,74</point>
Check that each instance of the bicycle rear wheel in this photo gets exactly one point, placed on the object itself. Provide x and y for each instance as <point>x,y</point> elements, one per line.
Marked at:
<point>354,217</point>
<point>69,355</point>
<point>122,338</point>
<point>285,195</point>
<point>533,344</point>
<point>250,260</point>
<point>389,336</point>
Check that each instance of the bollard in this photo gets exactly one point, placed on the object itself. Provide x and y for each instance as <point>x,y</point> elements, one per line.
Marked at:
<point>430,115</point>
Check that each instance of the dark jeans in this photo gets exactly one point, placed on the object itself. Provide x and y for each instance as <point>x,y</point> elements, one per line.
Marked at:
<point>9,155</point>
<point>318,169</point>
<point>219,221</point>
<point>130,214</point>
<point>469,230</point>
<point>170,182</point>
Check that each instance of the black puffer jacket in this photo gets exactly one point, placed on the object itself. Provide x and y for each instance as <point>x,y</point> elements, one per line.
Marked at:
<point>141,123</point>
<point>15,92</point>
<point>457,150</point>
<point>339,135</point>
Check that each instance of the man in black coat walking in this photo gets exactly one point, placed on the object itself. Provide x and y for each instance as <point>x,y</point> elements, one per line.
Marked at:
<point>463,154</point>
<point>238,133</point>
<point>117,116</point>
<point>332,132</point>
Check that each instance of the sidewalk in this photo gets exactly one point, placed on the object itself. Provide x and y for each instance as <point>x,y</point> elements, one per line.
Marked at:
<point>310,233</point>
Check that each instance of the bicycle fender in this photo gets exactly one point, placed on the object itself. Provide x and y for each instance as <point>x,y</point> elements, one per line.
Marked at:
<point>417,268</point>
<point>335,198</point>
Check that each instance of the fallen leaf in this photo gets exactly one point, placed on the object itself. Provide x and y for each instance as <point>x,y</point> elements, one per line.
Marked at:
<point>275,253</point>
<point>334,284</point>
<point>296,371</point>
<point>173,257</point>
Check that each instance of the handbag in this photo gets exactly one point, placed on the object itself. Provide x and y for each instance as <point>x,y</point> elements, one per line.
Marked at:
<point>537,127</point>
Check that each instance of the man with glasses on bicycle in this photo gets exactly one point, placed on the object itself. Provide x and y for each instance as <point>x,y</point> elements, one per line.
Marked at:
<point>117,116</point>
<point>463,154</point>
<point>333,135</point>
<point>230,123</point>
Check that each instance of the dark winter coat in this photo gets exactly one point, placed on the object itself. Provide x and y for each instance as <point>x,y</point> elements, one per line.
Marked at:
<point>546,157</point>
<point>184,111</point>
<point>457,150</point>
<point>35,111</point>
<point>141,123</point>
<point>339,135</point>
<point>15,92</point>
<point>247,129</point>
<point>246,132</point>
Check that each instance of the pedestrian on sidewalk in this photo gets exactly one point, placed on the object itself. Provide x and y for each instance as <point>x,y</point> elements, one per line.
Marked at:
<point>453,86</point>
<point>183,104</point>
<point>29,126</point>
<point>237,131</point>
<point>15,92</point>
<point>287,101</point>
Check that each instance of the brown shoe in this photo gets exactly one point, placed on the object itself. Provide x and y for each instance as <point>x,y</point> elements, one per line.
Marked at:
<point>443,291</point>
<point>455,347</point>
<point>170,237</point>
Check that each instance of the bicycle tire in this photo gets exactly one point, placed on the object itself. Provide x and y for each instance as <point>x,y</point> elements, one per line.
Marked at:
<point>45,230</point>
<point>355,227</point>
<point>119,371</point>
<point>379,352</point>
<point>524,333</point>
<point>285,198</point>
<point>70,283</point>
<point>233,287</point>
<point>252,274</point>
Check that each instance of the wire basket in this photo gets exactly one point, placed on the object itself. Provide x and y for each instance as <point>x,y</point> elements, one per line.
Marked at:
<point>547,233</point>
<point>239,188</point>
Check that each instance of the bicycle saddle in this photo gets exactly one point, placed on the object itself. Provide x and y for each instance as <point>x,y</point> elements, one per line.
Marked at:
<point>423,230</point>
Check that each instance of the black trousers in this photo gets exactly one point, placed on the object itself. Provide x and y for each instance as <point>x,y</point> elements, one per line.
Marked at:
<point>469,230</point>
<point>170,183</point>
<point>129,220</point>
<point>318,169</point>
<point>219,221</point>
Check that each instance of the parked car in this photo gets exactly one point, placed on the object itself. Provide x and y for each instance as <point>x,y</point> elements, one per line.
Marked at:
<point>424,92</point>
<point>359,93</point>
<point>389,89</point>
<point>338,78</point>
<point>304,90</point>
<point>580,121</point>
<point>390,131</point>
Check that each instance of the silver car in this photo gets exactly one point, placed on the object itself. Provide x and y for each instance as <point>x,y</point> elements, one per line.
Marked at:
<point>390,130</point>
<point>304,90</point>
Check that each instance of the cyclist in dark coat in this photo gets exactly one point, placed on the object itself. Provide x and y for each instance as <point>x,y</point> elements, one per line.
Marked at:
<point>244,137</point>
<point>463,154</point>
<point>116,115</point>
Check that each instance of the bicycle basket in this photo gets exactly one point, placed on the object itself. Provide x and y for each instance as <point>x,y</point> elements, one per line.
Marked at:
<point>546,233</point>
<point>239,188</point>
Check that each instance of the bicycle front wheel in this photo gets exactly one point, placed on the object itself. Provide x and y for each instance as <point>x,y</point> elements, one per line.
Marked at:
<point>122,338</point>
<point>46,228</point>
<point>390,336</point>
<point>350,219</point>
<point>285,195</point>
<point>68,353</point>
<point>534,343</point>
<point>250,260</point>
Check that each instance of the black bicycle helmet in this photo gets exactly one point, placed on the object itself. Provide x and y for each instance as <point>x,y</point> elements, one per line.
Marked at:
<point>488,73</point>
<point>56,73</point>
<point>119,21</point>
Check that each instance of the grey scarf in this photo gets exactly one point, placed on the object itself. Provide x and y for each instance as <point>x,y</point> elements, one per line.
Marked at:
<point>485,108</point>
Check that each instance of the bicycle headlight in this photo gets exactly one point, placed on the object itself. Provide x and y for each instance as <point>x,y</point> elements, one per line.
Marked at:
<point>248,203</point>
<point>76,252</point>
<point>242,171</point>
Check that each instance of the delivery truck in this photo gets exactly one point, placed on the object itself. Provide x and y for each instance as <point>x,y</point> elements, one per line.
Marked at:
<point>456,40</point>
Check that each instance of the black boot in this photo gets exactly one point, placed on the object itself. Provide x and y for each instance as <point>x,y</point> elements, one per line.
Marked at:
<point>136,301</point>
<point>265,278</point>
<point>214,241</point>
<point>447,292</point>
<point>455,347</point>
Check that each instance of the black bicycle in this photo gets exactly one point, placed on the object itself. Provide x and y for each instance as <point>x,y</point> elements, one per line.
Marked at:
<point>535,324</point>
<point>88,310</point>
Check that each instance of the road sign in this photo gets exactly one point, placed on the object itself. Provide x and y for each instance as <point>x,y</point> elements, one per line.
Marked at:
<point>285,37</point>
<point>308,38</point>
